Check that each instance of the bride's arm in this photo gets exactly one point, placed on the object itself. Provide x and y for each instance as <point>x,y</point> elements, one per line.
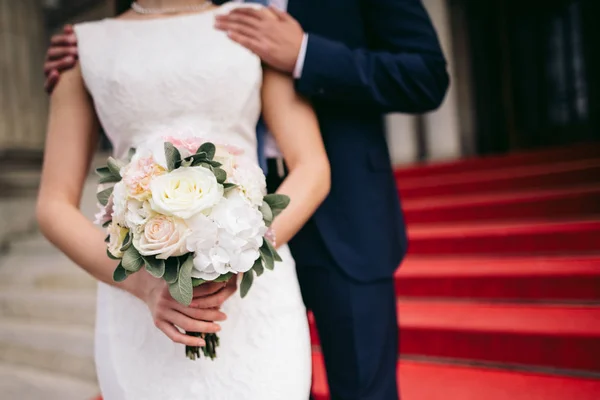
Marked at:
<point>70,144</point>
<point>294,124</point>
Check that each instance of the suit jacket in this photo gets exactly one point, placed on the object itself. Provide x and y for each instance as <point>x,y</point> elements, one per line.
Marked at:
<point>366,58</point>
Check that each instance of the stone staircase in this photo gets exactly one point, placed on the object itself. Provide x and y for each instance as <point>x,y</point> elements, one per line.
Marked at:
<point>47,311</point>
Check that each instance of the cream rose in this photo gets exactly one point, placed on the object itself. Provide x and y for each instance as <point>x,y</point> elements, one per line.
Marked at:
<point>185,192</point>
<point>162,237</point>
<point>116,237</point>
<point>251,181</point>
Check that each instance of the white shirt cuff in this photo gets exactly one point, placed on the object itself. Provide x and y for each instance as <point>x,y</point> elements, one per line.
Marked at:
<point>301,56</point>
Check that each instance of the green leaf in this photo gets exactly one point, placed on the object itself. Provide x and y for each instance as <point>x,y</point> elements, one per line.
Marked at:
<point>258,267</point>
<point>104,195</point>
<point>127,241</point>
<point>220,174</point>
<point>267,257</point>
<point>111,256</point>
<point>224,278</point>
<point>106,224</point>
<point>154,266</point>
<point>182,290</point>
<point>228,187</point>
<point>246,283</point>
<point>265,209</point>
<point>107,239</point>
<point>102,171</point>
<point>120,274</point>
<point>209,149</point>
<point>132,261</point>
<point>109,179</point>
<point>114,166</point>
<point>172,156</point>
<point>277,202</point>
<point>130,153</point>
<point>197,282</point>
<point>215,164</point>
<point>171,270</point>
<point>274,252</point>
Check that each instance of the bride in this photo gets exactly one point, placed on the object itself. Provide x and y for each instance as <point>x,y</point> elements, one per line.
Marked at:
<point>142,76</point>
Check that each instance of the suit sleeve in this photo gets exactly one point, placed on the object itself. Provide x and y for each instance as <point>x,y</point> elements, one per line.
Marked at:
<point>402,70</point>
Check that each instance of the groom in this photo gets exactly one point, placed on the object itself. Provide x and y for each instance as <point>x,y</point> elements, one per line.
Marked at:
<point>355,60</point>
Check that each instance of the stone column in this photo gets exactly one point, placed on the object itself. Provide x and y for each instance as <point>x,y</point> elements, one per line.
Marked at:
<point>23,103</point>
<point>442,127</point>
<point>402,138</point>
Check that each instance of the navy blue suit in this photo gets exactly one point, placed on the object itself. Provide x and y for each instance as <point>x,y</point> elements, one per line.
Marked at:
<point>364,58</point>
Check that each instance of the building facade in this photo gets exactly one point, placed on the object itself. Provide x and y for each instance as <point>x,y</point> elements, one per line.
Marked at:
<point>524,75</point>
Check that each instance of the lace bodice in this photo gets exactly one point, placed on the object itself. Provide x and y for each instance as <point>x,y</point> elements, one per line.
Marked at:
<point>212,87</point>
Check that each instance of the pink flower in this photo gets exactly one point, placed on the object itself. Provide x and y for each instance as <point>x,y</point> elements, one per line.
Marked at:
<point>105,214</point>
<point>188,145</point>
<point>138,175</point>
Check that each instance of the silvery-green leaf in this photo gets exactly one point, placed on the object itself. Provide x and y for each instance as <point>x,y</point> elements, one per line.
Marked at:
<point>120,274</point>
<point>114,166</point>
<point>154,266</point>
<point>278,202</point>
<point>107,239</point>
<point>258,267</point>
<point>274,252</point>
<point>104,195</point>
<point>132,261</point>
<point>215,164</point>
<point>265,209</point>
<point>224,278</point>
<point>187,162</point>
<point>108,253</point>
<point>109,179</point>
<point>246,283</point>
<point>172,156</point>
<point>106,224</point>
<point>220,174</point>
<point>127,241</point>
<point>171,270</point>
<point>182,290</point>
<point>267,258</point>
<point>209,149</point>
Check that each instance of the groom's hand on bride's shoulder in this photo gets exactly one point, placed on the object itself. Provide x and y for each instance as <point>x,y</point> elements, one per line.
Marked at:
<point>274,35</point>
<point>61,56</point>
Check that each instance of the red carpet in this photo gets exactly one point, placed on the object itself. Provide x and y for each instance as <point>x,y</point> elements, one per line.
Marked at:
<point>499,298</point>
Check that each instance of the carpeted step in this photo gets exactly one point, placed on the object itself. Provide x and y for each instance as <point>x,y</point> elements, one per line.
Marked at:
<point>428,381</point>
<point>539,204</point>
<point>581,172</point>
<point>563,337</point>
<point>560,278</point>
<point>520,159</point>
<point>512,238</point>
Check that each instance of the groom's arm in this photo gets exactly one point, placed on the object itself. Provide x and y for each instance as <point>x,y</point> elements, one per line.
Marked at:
<point>403,70</point>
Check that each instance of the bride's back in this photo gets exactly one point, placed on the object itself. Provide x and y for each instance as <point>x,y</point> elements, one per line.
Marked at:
<point>169,76</point>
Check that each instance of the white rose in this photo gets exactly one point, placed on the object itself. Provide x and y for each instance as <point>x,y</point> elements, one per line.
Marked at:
<point>185,192</point>
<point>251,181</point>
<point>162,237</point>
<point>116,236</point>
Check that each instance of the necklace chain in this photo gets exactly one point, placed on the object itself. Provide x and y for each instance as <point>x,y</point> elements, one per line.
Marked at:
<point>135,6</point>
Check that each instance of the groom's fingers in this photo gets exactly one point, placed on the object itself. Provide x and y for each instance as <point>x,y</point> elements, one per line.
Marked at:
<point>251,44</point>
<point>178,337</point>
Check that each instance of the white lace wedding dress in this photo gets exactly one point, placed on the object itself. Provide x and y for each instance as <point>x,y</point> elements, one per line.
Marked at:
<point>178,75</point>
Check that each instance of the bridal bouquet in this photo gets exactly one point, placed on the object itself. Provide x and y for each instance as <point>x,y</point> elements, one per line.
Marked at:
<point>189,212</point>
